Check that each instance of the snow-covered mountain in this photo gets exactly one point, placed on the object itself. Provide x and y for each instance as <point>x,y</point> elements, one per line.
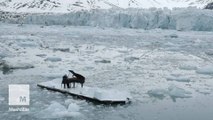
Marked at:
<point>75,5</point>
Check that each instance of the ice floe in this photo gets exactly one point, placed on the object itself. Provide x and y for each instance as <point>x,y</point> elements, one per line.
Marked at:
<point>188,66</point>
<point>17,65</point>
<point>102,61</point>
<point>172,91</point>
<point>4,51</point>
<point>73,107</point>
<point>131,59</point>
<point>178,78</point>
<point>205,70</point>
<point>158,93</point>
<point>176,92</point>
<point>172,36</point>
<point>209,52</point>
<point>62,49</point>
<point>204,91</point>
<point>53,59</point>
<point>57,110</point>
<point>41,55</point>
<point>28,44</point>
<point>1,99</point>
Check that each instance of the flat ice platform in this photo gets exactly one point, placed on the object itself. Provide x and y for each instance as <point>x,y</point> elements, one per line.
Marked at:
<point>96,95</point>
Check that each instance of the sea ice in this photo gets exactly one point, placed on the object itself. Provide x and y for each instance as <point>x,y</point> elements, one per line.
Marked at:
<point>41,55</point>
<point>204,91</point>
<point>172,91</point>
<point>53,59</point>
<point>102,61</point>
<point>209,52</point>
<point>61,49</point>
<point>172,36</point>
<point>176,92</point>
<point>17,65</point>
<point>131,59</point>
<point>158,93</point>
<point>73,107</point>
<point>205,70</point>
<point>68,101</point>
<point>1,99</point>
<point>178,78</point>
<point>188,66</point>
<point>56,110</point>
<point>28,44</point>
<point>4,51</point>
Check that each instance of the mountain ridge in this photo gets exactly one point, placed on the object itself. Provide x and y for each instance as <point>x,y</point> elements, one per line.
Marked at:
<point>76,5</point>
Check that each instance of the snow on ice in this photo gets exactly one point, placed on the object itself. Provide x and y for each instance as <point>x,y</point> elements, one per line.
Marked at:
<point>28,44</point>
<point>57,110</point>
<point>159,93</point>
<point>17,65</point>
<point>176,92</point>
<point>172,91</point>
<point>188,66</point>
<point>206,70</point>
<point>178,78</point>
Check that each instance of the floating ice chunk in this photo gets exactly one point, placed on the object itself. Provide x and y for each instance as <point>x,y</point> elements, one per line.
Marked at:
<point>28,44</point>
<point>205,70</point>
<point>172,36</point>
<point>102,61</point>
<point>2,62</point>
<point>17,65</point>
<point>68,101</point>
<point>131,59</point>
<point>173,91</point>
<point>158,93</point>
<point>4,51</point>
<point>204,91</point>
<point>56,110</point>
<point>53,59</point>
<point>178,78</point>
<point>210,52</point>
<point>41,55</point>
<point>5,54</point>
<point>61,49</point>
<point>188,66</point>
<point>73,107</point>
<point>1,99</point>
<point>176,92</point>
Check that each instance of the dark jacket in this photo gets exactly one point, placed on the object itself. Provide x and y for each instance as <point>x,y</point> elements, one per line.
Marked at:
<point>65,79</point>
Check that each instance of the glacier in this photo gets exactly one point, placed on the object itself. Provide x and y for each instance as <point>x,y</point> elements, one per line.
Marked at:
<point>181,19</point>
